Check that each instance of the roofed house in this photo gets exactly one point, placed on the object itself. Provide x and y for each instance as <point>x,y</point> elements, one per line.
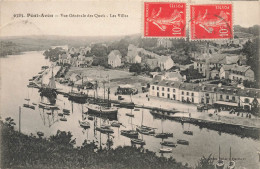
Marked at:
<point>114,58</point>
<point>165,62</point>
<point>162,42</point>
<point>240,73</point>
<point>225,71</point>
<point>64,59</point>
<point>175,76</point>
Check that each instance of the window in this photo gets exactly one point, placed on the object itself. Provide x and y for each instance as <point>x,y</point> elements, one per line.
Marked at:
<point>207,94</point>
<point>227,97</point>
<point>192,94</point>
<point>174,97</point>
<point>221,97</point>
<point>158,94</point>
<point>187,93</point>
<point>153,87</point>
<point>246,100</point>
<point>157,88</point>
<point>173,90</point>
<point>182,98</point>
<point>233,98</point>
<point>162,94</point>
<point>168,89</point>
<point>168,95</point>
<point>182,92</point>
<point>192,99</point>
<point>162,88</point>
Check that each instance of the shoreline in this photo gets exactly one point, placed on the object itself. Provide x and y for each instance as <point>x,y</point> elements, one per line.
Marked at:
<point>238,129</point>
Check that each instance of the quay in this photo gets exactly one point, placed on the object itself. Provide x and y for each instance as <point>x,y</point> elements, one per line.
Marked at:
<point>171,113</point>
<point>238,129</point>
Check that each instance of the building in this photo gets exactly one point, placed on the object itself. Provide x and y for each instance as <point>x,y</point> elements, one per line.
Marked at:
<point>217,95</point>
<point>133,51</point>
<point>165,43</point>
<point>207,62</point>
<point>114,58</point>
<point>165,62</point>
<point>83,61</point>
<point>64,59</point>
<point>225,71</point>
<point>241,73</point>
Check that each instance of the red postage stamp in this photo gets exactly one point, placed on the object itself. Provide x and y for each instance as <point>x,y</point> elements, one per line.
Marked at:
<point>164,19</point>
<point>211,21</point>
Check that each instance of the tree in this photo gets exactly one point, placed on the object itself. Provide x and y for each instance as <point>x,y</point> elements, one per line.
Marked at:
<point>251,50</point>
<point>135,67</point>
<point>99,50</point>
<point>205,163</point>
<point>63,138</point>
<point>10,122</point>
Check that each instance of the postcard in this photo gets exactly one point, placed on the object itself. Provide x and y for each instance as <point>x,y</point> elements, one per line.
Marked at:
<point>130,84</point>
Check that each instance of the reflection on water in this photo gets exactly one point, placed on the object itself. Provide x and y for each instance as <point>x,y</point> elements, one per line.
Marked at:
<point>17,70</point>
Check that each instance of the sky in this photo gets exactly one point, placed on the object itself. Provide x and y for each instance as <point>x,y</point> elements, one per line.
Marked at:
<point>246,13</point>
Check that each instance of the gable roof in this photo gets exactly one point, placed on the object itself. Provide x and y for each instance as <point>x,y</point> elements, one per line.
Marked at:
<point>242,68</point>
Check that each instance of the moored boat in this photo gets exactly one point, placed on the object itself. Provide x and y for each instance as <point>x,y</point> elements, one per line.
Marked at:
<point>130,114</point>
<point>47,105</point>
<point>137,141</point>
<point>188,132</point>
<point>40,134</point>
<point>168,143</point>
<point>63,119</point>
<point>115,124</point>
<point>60,114</point>
<point>105,129</point>
<point>165,150</point>
<point>220,163</point>
<point>161,135</point>
<point>184,142</point>
<point>129,133</point>
<point>26,105</point>
<point>84,124</point>
<point>231,164</point>
<point>90,117</point>
<point>101,110</point>
<point>66,110</point>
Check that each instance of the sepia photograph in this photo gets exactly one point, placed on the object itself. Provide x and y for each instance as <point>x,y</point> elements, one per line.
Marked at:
<point>130,84</point>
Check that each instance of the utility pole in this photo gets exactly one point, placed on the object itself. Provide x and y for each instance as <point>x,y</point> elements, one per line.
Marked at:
<point>19,119</point>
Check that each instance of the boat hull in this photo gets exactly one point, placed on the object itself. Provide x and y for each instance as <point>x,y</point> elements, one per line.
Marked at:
<point>102,111</point>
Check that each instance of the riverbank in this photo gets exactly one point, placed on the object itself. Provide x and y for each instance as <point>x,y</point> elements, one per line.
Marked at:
<point>22,151</point>
<point>240,125</point>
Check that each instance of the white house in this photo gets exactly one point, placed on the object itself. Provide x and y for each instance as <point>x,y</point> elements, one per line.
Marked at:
<point>165,62</point>
<point>114,58</point>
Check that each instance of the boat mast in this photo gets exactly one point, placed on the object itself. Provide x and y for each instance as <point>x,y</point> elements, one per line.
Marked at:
<point>219,152</point>
<point>108,91</point>
<point>142,116</point>
<point>230,155</point>
<point>96,90</point>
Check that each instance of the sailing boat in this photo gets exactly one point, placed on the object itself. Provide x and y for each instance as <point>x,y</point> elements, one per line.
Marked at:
<point>138,141</point>
<point>27,105</point>
<point>84,123</point>
<point>220,164</point>
<point>144,129</point>
<point>66,111</point>
<point>129,105</point>
<point>130,133</point>
<point>232,163</point>
<point>162,134</point>
<point>80,96</point>
<point>102,110</point>
<point>49,90</point>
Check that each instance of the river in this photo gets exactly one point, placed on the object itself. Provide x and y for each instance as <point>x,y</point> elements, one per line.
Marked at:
<point>16,70</point>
